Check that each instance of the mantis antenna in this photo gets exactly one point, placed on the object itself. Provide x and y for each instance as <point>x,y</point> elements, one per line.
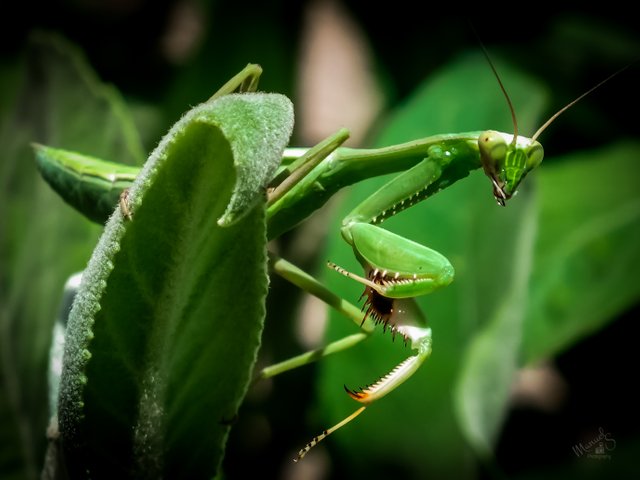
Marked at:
<point>573,102</point>
<point>555,115</point>
<point>504,92</point>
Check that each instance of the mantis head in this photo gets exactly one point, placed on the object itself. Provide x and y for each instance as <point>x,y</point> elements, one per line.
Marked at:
<point>506,160</point>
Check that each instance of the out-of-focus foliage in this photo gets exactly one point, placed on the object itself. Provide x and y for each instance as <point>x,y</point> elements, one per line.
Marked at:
<point>523,288</point>
<point>59,102</point>
<point>579,212</point>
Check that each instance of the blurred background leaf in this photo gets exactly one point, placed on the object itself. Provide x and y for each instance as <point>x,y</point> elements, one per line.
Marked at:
<point>59,102</point>
<point>460,222</point>
<point>587,251</point>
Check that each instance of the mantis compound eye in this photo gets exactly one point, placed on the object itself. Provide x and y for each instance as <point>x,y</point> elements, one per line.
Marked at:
<point>534,156</point>
<point>493,152</point>
<point>493,149</point>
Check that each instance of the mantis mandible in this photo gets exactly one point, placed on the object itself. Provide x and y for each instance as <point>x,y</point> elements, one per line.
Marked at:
<point>396,270</point>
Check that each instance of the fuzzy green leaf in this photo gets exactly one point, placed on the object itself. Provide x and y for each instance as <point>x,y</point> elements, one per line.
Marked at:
<point>164,331</point>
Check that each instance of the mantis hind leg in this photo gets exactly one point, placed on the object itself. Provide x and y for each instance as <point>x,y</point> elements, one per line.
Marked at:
<point>306,282</point>
<point>406,319</point>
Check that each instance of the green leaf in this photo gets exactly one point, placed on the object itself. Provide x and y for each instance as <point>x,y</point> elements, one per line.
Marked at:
<point>531,279</point>
<point>417,428</point>
<point>255,130</point>
<point>587,255</point>
<point>482,398</point>
<point>62,82</point>
<point>163,334</point>
<point>42,240</point>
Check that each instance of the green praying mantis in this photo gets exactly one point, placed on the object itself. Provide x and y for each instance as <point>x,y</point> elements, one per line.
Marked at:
<point>396,270</point>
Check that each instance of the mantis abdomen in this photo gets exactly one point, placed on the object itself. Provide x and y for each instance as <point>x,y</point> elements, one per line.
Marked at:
<point>90,185</point>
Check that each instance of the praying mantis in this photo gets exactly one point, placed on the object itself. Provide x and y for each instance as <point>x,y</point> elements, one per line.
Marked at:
<point>396,270</point>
